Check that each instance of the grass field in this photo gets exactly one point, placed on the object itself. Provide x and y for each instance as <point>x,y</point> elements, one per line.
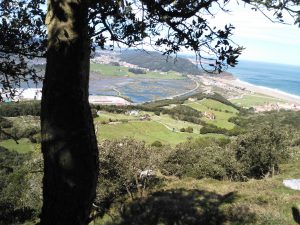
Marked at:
<point>110,70</point>
<point>24,145</point>
<point>105,116</point>
<point>254,100</point>
<point>148,131</point>
<point>176,124</point>
<point>222,112</point>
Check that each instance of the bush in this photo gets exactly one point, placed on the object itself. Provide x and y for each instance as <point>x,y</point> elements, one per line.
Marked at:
<point>261,151</point>
<point>36,138</point>
<point>114,63</point>
<point>121,162</point>
<point>94,113</point>
<point>182,129</point>
<point>5,123</point>
<point>157,113</point>
<point>189,130</point>
<point>210,128</point>
<point>137,71</point>
<point>20,200</point>
<point>201,158</point>
<point>32,108</point>
<point>157,144</point>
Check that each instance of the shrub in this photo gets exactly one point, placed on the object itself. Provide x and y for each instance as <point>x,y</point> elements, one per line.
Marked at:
<point>189,130</point>
<point>32,108</point>
<point>121,162</point>
<point>157,113</point>
<point>124,120</point>
<point>201,158</point>
<point>261,151</point>
<point>94,113</point>
<point>137,71</point>
<point>182,129</point>
<point>5,123</point>
<point>114,63</point>
<point>156,144</point>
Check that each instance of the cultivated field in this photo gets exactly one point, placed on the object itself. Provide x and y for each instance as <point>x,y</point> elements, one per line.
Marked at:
<point>221,111</point>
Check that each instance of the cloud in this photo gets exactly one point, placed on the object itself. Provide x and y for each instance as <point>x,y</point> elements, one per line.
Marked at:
<point>263,39</point>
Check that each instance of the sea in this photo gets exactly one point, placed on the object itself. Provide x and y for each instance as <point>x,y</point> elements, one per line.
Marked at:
<point>280,77</point>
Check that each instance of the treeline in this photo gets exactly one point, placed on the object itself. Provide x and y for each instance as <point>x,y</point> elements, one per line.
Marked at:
<point>25,108</point>
<point>185,113</point>
<point>198,96</point>
<point>33,107</point>
<point>254,154</point>
<point>156,61</point>
<point>214,96</point>
<point>137,71</point>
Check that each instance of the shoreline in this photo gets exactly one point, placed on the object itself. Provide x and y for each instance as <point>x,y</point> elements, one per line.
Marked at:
<point>233,82</point>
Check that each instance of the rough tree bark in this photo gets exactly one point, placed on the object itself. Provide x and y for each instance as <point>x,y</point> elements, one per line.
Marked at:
<point>68,139</point>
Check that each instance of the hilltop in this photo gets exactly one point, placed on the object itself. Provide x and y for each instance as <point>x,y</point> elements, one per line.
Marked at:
<point>157,61</point>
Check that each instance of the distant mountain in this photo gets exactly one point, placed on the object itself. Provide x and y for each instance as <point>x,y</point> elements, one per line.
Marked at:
<point>157,61</point>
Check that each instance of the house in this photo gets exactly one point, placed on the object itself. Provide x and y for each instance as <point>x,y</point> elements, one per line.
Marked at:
<point>192,99</point>
<point>145,117</point>
<point>209,115</point>
<point>107,100</point>
<point>133,113</point>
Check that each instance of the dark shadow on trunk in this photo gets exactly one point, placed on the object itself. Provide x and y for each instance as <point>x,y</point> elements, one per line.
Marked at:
<point>68,139</point>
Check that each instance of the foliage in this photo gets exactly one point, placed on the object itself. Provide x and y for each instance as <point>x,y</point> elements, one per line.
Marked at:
<point>285,119</point>
<point>22,36</point>
<point>184,20</point>
<point>201,158</point>
<point>157,144</point>
<point>137,71</point>
<point>94,113</point>
<point>280,10</point>
<point>261,151</point>
<point>186,113</point>
<point>18,192</point>
<point>5,123</point>
<point>215,96</point>
<point>121,164</point>
<point>21,127</point>
<point>32,108</point>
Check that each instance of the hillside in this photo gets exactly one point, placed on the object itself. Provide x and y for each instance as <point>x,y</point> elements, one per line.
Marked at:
<point>157,61</point>
<point>225,170</point>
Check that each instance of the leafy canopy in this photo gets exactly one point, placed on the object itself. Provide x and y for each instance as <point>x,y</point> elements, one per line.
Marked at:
<point>166,25</point>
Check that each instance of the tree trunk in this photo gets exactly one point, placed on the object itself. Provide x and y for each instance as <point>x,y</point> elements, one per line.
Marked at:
<point>68,139</point>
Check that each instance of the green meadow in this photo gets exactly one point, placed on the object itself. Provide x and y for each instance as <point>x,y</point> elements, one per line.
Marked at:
<point>221,111</point>
<point>148,131</point>
<point>254,100</point>
<point>23,145</point>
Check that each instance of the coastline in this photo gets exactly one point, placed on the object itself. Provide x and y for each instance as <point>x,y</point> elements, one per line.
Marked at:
<point>231,81</point>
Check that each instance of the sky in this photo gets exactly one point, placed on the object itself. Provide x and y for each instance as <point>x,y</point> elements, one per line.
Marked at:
<point>263,40</point>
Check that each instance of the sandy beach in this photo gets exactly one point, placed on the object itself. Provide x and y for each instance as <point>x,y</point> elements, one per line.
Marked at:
<point>231,83</point>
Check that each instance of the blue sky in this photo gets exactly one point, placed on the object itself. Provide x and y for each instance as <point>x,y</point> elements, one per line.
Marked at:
<point>264,40</point>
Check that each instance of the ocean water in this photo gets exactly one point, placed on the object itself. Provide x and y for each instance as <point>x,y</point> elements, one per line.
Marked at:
<point>284,78</point>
